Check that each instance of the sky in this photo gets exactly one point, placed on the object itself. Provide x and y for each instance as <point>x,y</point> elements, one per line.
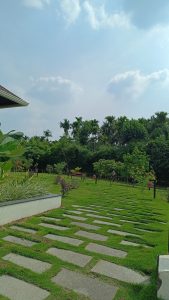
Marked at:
<point>89,58</point>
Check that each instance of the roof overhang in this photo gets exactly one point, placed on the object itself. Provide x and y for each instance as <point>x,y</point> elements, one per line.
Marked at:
<point>8,99</point>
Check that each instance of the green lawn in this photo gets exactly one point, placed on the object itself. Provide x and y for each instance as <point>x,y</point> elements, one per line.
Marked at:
<point>138,205</point>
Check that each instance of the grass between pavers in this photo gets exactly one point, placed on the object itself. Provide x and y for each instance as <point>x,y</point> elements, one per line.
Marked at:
<point>108,197</point>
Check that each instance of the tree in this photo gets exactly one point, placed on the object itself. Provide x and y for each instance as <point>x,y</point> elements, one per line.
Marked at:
<point>66,126</point>
<point>47,134</point>
<point>136,165</point>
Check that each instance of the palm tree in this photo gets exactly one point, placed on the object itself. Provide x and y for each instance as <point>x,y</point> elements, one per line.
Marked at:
<point>66,126</point>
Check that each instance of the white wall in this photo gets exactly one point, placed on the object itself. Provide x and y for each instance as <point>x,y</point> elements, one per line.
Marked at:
<point>13,212</point>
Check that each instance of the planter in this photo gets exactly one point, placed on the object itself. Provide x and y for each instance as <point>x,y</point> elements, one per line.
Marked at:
<point>18,209</point>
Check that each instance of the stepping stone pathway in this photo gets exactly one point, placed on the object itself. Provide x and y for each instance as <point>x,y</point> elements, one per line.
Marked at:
<point>106,223</point>
<point>16,289</point>
<point>87,226</point>
<point>97,216</point>
<point>64,239</point>
<point>91,236</point>
<point>75,212</point>
<point>75,217</point>
<point>127,243</point>
<point>122,233</point>
<point>75,258</point>
<point>28,230</point>
<point>20,241</point>
<point>61,228</point>
<point>92,288</point>
<point>119,272</point>
<point>50,219</point>
<point>28,263</point>
<point>105,250</point>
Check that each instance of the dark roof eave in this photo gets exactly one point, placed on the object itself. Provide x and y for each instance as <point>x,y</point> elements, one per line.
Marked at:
<point>15,100</point>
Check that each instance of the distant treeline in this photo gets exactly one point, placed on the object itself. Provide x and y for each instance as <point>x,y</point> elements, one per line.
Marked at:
<point>85,142</point>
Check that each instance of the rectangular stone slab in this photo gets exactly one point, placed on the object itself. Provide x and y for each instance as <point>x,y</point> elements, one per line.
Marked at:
<point>20,241</point>
<point>75,212</point>
<point>127,243</point>
<point>16,289</point>
<point>106,223</point>
<point>128,221</point>
<point>28,263</point>
<point>75,258</point>
<point>118,209</point>
<point>92,288</point>
<point>91,236</point>
<point>19,228</point>
<point>87,210</point>
<point>75,217</point>
<point>119,272</point>
<point>98,217</point>
<point>61,228</point>
<point>64,239</point>
<point>87,226</point>
<point>105,250</point>
<point>50,219</point>
<point>122,233</point>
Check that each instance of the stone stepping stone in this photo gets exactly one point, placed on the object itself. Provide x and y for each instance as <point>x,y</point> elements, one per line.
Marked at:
<point>16,289</point>
<point>118,209</point>
<point>28,263</point>
<point>106,223</point>
<point>146,230</point>
<point>20,241</point>
<point>87,226</point>
<point>128,221</point>
<point>105,250</point>
<point>75,258</point>
<point>119,272</point>
<point>92,288</point>
<point>122,233</point>
<point>50,219</point>
<point>98,217</point>
<point>28,230</point>
<point>87,210</point>
<point>91,236</point>
<point>61,228</point>
<point>127,243</point>
<point>75,212</point>
<point>64,239</point>
<point>75,217</point>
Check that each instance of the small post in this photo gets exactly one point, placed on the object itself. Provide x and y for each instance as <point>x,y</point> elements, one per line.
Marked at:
<point>154,181</point>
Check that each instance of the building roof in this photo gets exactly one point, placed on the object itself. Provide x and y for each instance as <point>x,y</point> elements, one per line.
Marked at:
<point>8,99</point>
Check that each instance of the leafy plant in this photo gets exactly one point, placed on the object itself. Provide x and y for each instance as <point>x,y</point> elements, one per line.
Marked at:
<point>10,149</point>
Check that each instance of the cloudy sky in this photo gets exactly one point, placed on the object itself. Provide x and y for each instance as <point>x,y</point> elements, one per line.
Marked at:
<point>89,58</point>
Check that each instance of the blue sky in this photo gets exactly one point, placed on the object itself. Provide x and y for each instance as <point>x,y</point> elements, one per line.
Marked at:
<point>89,58</point>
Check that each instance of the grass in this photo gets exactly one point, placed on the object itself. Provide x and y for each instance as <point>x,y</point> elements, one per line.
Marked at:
<point>138,205</point>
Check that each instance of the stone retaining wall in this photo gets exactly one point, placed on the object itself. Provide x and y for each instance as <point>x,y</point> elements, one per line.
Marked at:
<point>14,210</point>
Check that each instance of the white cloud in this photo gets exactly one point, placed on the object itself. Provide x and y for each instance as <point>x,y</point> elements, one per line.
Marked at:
<point>70,9</point>
<point>133,84</point>
<point>99,18</point>
<point>39,4</point>
<point>54,89</point>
